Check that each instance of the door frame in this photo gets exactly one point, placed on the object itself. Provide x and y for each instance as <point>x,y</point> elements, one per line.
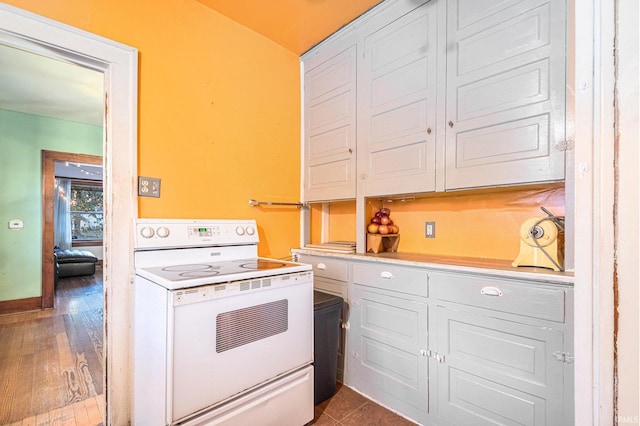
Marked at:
<point>49,159</point>
<point>119,63</point>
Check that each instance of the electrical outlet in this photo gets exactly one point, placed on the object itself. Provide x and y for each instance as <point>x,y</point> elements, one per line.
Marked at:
<point>148,187</point>
<point>429,229</point>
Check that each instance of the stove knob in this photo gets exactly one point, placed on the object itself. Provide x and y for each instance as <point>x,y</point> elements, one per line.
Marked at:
<point>250,230</point>
<point>147,232</point>
<point>163,232</point>
<point>239,230</point>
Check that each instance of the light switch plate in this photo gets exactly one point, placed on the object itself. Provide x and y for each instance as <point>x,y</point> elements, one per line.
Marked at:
<point>148,187</point>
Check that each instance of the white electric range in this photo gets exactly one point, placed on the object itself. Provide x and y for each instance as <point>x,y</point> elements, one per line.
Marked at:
<point>221,336</point>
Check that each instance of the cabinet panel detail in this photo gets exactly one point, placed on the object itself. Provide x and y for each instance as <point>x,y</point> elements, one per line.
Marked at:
<point>472,11</point>
<point>329,112</point>
<point>402,122</point>
<point>476,401</point>
<point>336,77</point>
<point>408,159</point>
<point>328,174</point>
<point>517,355</point>
<point>398,41</point>
<point>504,91</point>
<point>516,36</point>
<point>335,141</point>
<point>379,315</point>
<point>519,140</point>
<point>399,82</point>
<point>399,365</point>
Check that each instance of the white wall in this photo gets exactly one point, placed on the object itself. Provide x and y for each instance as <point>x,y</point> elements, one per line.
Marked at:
<point>96,250</point>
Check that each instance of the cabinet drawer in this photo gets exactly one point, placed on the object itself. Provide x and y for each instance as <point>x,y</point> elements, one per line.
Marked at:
<point>515,297</point>
<point>326,267</point>
<point>404,280</point>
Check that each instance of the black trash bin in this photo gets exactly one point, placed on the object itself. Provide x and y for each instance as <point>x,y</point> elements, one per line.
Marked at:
<point>326,330</point>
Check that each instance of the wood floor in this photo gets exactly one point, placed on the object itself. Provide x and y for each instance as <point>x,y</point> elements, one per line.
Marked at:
<point>52,362</point>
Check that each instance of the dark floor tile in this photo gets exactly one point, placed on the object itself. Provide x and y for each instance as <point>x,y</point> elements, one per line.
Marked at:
<point>323,420</point>
<point>374,414</point>
<point>343,403</point>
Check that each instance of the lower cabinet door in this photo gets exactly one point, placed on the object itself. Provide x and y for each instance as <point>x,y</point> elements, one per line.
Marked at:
<point>497,372</point>
<point>388,350</point>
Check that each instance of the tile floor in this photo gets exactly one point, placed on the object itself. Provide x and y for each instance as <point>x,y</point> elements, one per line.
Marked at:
<point>348,407</point>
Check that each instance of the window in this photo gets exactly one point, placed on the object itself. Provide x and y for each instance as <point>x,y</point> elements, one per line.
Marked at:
<point>87,219</point>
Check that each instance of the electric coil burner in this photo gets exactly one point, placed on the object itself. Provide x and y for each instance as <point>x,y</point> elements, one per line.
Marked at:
<point>221,336</point>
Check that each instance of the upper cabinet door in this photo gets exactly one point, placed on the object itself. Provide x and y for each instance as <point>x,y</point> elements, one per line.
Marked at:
<point>397,83</point>
<point>505,114</point>
<point>329,158</point>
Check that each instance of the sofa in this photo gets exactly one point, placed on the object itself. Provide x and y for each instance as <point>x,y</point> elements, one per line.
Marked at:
<point>73,263</point>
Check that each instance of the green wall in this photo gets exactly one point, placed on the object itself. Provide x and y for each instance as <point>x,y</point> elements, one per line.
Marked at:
<point>22,138</point>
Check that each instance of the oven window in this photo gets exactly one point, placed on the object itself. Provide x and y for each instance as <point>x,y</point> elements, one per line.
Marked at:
<point>246,325</point>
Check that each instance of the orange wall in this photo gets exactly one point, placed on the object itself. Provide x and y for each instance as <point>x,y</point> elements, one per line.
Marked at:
<point>483,224</point>
<point>219,110</point>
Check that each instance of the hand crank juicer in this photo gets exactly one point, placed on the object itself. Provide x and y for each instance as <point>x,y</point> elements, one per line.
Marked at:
<point>542,242</point>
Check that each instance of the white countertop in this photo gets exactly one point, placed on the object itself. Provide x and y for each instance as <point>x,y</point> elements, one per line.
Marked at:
<point>495,267</point>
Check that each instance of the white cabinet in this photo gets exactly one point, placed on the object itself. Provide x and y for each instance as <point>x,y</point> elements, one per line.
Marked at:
<point>503,351</point>
<point>329,158</point>
<point>505,82</point>
<point>451,94</point>
<point>388,337</point>
<point>451,347</point>
<point>397,88</point>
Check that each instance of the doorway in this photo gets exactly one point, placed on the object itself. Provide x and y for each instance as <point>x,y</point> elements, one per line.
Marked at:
<point>49,158</point>
<point>119,63</point>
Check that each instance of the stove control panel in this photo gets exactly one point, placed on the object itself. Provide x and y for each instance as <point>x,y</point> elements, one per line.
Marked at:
<point>167,233</point>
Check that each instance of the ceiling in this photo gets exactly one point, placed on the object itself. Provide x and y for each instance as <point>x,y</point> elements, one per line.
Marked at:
<point>297,25</point>
<point>39,85</point>
<point>35,84</point>
<point>77,170</point>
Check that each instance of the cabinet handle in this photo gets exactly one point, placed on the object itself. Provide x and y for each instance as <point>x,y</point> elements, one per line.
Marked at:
<point>428,130</point>
<point>491,291</point>
<point>345,325</point>
<point>322,266</point>
<point>451,124</point>
<point>350,151</point>
<point>386,275</point>
<point>424,352</point>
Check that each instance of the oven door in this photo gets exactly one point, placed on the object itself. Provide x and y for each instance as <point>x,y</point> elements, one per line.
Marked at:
<point>257,331</point>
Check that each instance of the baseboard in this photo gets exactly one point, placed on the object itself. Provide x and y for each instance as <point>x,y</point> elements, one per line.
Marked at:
<point>20,305</point>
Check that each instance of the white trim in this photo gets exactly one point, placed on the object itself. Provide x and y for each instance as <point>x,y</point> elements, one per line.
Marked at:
<point>582,64</point>
<point>120,65</point>
<point>594,186</point>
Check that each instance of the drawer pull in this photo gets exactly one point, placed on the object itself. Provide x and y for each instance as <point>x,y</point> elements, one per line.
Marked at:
<point>322,266</point>
<point>386,275</point>
<point>491,291</point>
